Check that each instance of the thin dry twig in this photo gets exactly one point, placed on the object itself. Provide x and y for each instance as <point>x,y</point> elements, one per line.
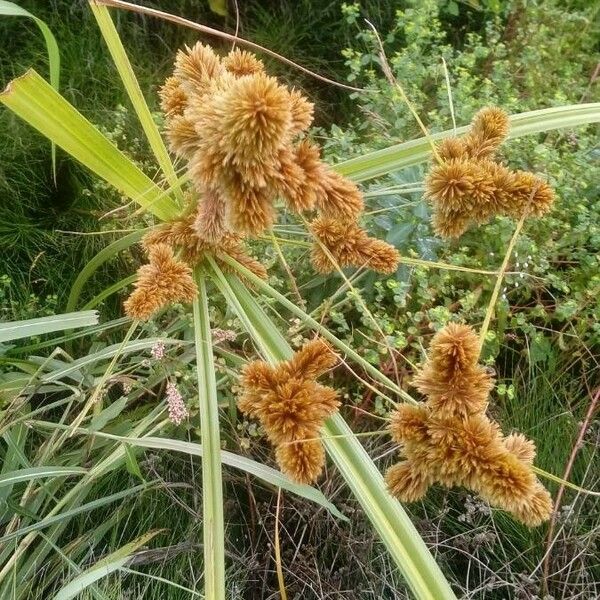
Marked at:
<point>143,10</point>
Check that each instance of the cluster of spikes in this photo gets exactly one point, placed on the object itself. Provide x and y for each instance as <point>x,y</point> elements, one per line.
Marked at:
<point>468,185</point>
<point>449,439</point>
<point>242,135</point>
<point>292,407</point>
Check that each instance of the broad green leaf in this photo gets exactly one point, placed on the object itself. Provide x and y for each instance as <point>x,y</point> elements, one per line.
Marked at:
<point>119,56</point>
<point>35,101</point>
<point>109,564</point>
<point>98,260</point>
<point>382,162</point>
<point>10,9</point>
<point>8,479</point>
<point>16,330</point>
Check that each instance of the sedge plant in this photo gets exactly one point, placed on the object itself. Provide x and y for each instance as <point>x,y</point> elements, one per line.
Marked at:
<point>243,139</point>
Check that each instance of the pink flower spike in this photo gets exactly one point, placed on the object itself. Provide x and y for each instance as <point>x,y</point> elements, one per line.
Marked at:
<point>177,409</point>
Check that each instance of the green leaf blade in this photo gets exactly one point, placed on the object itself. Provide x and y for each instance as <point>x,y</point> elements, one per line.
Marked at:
<point>31,98</point>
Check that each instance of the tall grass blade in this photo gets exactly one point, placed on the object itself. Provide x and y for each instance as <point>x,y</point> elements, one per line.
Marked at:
<point>212,490</point>
<point>103,568</point>
<point>11,9</point>
<point>35,101</point>
<point>9,479</point>
<point>414,152</point>
<point>17,330</point>
<point>119,56</point>
<point>68,514</point>
<point>256,469</point>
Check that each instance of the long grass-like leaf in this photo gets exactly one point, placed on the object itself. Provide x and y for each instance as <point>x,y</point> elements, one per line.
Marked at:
<point>97,261</point>
<point>12,477</point>
<point>13,10</point>
<point>35,101</point>
<point>16,330</point>
<point>119,56</point>
<point>109,564</point>
<point>263,472</point>
<point>212,485</point>
<point>68,514</point>
<point>414,152</point>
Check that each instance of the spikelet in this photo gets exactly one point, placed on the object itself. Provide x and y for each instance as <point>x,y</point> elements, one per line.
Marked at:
<point>182,136</point>
<point>302,112</point>
<point>349,245</point>
<point>307,189</point>
<point>209,222</point>
<point>452,148</point>
<point>290,182</point>
<point>292,406</point>
<point>240,62</point>
<point>489,129</point>
<point>161,282</point>
<point>173,99</point>
<point>449,439</point>
<point>451,378</point>
<point>450,184</point>
<point>250,119</point>
<point>467,186</point>
<point>302,462</point>
<point>196,68</point>
<point>342,198</point>
<point>249,210</point>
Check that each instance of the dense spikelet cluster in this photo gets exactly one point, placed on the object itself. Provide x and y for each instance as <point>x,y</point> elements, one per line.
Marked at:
<point>348,245</point>
<point>292,407</point>
<point>161,282</point>
<point>468,186</point>
<point>449,439</point>
<point>240,131</point>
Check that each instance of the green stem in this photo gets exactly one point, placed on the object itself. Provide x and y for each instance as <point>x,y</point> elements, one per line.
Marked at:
<point>212,491</point>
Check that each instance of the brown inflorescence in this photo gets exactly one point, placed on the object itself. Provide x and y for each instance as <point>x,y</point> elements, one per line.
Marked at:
<point>161,282</point>
<point>240,132</point>
<point>450,440</point>
<point>467,185</point>
<point>292,407</point>
<point>239,129</point>
<point>346,244</point>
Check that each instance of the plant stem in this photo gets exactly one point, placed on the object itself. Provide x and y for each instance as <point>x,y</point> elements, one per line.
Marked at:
<point>212,491</point>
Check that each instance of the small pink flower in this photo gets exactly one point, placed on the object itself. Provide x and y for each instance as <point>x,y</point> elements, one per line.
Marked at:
<point>158,350</point>
<point>177,410</point>
<point>223,335</point>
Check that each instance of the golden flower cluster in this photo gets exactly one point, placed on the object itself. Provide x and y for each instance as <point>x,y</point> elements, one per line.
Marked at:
<point>240,132</point>
<point>468,185</point>
<point>292,407</point>
<point>449,439</point>
<point>163,281</point>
